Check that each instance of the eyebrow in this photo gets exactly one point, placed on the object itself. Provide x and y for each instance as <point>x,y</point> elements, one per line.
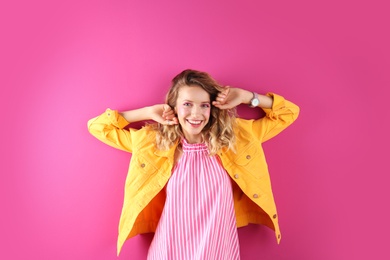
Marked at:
<point>187,100</point>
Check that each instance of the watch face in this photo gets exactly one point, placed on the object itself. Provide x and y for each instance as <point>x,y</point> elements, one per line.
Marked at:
<point>255,102</point>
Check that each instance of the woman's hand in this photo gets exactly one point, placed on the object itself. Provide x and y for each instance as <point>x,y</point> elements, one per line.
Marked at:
<point>163,114</point>
<point>232,97</point>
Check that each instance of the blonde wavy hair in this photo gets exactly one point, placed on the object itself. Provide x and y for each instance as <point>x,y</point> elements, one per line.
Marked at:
<point>219,131</point>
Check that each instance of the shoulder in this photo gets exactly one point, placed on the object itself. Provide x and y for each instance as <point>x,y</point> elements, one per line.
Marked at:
<point>244,126</point>
<point>144,135</point>
<point>241,123</point>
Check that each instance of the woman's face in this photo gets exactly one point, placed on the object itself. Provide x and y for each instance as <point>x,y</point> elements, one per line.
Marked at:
<point>193,108</point>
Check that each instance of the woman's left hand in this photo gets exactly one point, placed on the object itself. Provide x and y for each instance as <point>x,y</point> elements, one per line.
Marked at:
<point>231,97</point>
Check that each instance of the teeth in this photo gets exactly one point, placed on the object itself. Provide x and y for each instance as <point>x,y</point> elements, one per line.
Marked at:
<point>194,122</point>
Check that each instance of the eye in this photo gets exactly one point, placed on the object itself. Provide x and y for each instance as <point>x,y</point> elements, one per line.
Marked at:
<point>186,104</point>
<point>205,105</point>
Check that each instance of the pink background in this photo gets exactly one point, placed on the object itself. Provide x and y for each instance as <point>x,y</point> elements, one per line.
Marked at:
<point>63,62</point>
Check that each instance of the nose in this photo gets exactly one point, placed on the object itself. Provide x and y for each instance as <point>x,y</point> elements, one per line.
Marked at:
<point>195,111</point>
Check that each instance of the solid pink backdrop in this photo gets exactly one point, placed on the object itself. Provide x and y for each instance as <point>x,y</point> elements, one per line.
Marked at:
<point>64,63</point>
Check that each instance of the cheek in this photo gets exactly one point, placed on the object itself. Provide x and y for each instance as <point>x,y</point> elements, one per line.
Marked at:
<point>206,114</point>
<point>182,112</point>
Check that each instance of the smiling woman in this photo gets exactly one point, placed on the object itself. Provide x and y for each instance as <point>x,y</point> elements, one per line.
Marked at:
<point>188,160</point>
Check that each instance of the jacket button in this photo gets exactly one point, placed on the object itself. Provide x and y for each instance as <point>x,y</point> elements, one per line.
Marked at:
<point>143,165</point>
<point>236,176</point>
<point>274,216</point>
<point>255,196</point>
<point>248,156</point>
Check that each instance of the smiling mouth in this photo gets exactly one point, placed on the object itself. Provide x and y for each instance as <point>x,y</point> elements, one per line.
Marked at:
<point>194,122</point>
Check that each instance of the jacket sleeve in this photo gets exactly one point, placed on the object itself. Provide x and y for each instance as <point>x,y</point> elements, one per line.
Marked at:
<point>282,114</point>
<point>109,128</point>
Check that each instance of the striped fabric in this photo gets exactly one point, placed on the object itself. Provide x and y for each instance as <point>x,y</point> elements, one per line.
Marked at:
<point>198,220</point>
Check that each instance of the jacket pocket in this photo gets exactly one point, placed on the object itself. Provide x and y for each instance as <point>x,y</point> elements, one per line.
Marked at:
<point>140,172</point>
<point>250,160</point>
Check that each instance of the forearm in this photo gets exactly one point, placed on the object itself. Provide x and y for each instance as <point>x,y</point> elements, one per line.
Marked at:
<point>246,97</point>
<point>160,113</point>
<point>136,115</point>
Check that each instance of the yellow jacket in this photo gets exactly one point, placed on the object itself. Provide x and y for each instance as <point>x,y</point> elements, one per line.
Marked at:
<point>150,169</point>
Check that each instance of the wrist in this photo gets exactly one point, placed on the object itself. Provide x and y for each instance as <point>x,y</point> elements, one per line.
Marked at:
<point>255,101</point>
<point>246,97</point>
<point>151,112</point>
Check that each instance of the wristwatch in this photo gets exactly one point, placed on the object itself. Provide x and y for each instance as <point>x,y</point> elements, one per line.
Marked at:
<point>255,100</point>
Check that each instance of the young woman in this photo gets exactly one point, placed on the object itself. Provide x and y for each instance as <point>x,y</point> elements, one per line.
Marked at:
<point>198,172</point>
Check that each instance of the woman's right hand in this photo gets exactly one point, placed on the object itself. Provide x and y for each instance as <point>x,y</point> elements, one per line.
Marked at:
<point>163,114</point>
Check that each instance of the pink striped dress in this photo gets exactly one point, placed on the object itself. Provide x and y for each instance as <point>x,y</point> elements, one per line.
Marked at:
<point>198,220</point>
